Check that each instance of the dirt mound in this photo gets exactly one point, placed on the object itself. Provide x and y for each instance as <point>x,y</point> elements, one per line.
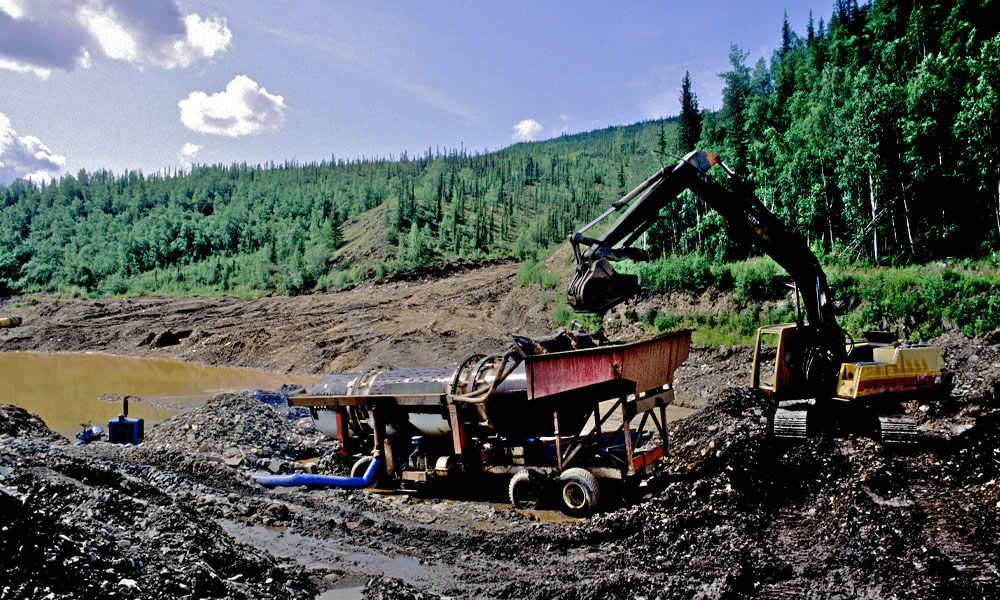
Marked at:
<point>17,422</point>
<point>76,527</point>
<point>435,319</point>
<point>730,434</point>
<point>239,430</point>
<point>975,362</point>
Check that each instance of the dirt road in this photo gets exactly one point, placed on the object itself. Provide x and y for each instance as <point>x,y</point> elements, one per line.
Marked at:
<point>735,515</point>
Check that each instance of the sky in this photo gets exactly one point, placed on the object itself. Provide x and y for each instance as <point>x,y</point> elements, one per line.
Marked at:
<point>157,85</point>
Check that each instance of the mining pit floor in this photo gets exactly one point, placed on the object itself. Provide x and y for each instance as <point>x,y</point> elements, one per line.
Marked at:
<point>734,514</point>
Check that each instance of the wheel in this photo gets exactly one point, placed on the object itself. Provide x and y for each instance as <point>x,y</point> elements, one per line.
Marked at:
<point>361,467</point>
<point>580,491</point>
<point>524,490</point>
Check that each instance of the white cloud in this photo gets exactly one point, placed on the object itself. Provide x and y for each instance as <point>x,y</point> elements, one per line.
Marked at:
<point>43,35</point>
<point>187,153</point>
<point>111,34</point>
<point>526,130</point>
<point>189,150</point>
<point>242,109</point>
<point>205,38</point>
<point>14,8</point>
<point>25,157</point>
<point>11,65</point>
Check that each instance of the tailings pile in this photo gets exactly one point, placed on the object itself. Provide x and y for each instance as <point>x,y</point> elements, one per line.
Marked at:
<point>78,523</point>
<point>239,430</point>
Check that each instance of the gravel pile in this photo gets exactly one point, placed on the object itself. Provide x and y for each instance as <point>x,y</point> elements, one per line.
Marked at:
<point>239,431</point>
<point>75,523</point>
<point>386,588</point>
<point>17,422</point>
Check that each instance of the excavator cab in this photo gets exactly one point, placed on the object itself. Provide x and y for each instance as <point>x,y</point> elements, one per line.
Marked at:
<point>782,369</point>
<point>773,360</point>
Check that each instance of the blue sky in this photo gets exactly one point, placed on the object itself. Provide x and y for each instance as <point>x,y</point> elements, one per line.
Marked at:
<point>123,84</point>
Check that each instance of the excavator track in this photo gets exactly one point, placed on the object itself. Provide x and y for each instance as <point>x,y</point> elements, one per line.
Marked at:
<point>790,424</point>
<point>897,429</point>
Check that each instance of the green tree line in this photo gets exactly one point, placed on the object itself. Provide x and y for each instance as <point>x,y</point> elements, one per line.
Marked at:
<point>875,133</point>
<point>280,228</point>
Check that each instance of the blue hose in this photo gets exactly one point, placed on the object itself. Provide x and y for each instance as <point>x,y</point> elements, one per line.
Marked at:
<point>321,480</point>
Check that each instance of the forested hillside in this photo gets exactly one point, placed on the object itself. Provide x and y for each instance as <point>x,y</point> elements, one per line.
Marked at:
<point>281,228</point>
<point>874,134</point>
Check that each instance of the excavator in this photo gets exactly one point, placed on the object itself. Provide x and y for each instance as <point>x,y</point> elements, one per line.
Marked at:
<point>817,374</point>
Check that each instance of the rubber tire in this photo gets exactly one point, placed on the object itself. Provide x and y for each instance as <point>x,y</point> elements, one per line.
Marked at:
<point>361,467</point>
<point>524,490</point>
<point>580,492</point>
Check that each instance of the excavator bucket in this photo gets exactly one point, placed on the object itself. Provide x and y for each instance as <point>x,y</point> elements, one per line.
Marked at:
<point>598,287</point>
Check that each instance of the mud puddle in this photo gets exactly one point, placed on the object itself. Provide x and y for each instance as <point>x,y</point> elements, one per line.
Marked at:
<point>349,562</point>
<point>64,388</point>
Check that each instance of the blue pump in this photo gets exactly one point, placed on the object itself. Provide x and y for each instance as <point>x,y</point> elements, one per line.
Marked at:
<point>125,429</point>
<point>321,480</point>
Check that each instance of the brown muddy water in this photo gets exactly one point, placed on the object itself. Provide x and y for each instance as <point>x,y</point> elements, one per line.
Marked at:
<point>64,388</point>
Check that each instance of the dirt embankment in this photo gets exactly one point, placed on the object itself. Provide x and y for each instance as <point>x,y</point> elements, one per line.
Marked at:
<point>735,514</point>
<point>427,320</point>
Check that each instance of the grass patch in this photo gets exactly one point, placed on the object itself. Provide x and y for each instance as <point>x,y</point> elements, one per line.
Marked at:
<point>917,302</point>
<point>531,271</point>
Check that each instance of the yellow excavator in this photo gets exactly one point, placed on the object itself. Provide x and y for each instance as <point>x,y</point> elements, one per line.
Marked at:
<point>810,368</point>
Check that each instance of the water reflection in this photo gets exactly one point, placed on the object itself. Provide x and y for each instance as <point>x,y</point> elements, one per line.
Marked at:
<point>63,389</point>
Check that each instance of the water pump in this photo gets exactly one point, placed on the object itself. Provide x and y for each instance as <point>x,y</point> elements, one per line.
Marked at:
<point>125,429</point>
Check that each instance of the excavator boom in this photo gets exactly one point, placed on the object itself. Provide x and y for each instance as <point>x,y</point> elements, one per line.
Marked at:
<point>596,287</point>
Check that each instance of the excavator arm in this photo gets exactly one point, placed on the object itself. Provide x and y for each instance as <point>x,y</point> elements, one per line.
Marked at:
<point>597,287</point>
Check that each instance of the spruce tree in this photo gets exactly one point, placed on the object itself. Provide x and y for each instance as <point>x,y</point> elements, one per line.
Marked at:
<point>690,118</point>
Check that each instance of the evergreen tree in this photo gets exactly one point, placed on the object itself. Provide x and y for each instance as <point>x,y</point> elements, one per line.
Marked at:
<point>787,36</point>
<point>689,130</point>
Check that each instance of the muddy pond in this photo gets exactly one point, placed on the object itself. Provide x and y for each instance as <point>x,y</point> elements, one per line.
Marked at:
<point>64,388</point>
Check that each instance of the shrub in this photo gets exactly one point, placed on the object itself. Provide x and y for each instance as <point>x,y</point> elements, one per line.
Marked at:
<point>690,273</point>
<point>758,279</point>
<point>564,316</point>
<point>531,271</point>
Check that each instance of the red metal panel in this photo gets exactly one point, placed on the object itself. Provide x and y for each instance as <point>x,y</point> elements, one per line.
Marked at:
<point>559,372</point>
<point>457,430</point>
<point>638,462</point>
<point>650,364</point>
<point>342,431</point>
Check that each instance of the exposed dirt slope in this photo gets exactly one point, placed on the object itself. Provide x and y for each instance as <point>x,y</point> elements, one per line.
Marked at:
<point>427,321</point>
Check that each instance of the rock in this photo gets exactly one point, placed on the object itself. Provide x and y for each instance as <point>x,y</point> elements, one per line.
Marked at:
<point>278,511</point>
